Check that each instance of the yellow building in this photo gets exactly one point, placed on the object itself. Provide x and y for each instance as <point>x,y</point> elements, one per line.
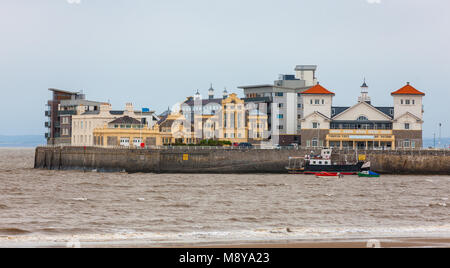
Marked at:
<point>127,132</point>
<point>229,121</point>
<point>233,126</point>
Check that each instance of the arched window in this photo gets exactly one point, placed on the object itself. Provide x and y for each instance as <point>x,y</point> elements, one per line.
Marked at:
<point>363,118</point>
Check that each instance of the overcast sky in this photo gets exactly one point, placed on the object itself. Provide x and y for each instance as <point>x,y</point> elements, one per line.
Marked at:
<point>154,53</point>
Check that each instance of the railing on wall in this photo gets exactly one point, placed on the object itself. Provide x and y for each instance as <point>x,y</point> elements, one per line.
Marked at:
<point>199,148</point>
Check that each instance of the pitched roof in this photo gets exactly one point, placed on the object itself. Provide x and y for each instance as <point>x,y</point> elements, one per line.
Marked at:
<point>379,111</point>
<point>317,89</point>
<point>408,90</point>
<point>126,120</point>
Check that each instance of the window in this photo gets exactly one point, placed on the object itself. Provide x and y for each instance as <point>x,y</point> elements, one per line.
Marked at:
<point>280,105</point>
<point>299,116</point>
<point>413,102</point>
<point>279,94</point>
<point>406,144</point>
<point>401,101</point>
<point>407,125</point>
<point>317,102</point>
<point>280,127</point>
<point>323,101</point>
<point>311,101</point>
<point>299,105</point>
<point>315,143</point>
<point>407,102</point>
<point>280,116</point>
<point>363,118</point>
<point>299,94</point>
<point>315,125</point>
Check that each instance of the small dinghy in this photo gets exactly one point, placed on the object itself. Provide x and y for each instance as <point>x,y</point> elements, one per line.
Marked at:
<point>335,175</point>
<point>368,174</point>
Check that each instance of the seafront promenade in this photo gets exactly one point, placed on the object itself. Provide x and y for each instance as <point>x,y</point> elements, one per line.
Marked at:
<point>197,159</point>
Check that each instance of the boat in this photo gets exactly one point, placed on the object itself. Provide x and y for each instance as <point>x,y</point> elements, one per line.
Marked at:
<point>368,174</point>
<point>335,175</point>
<point>312,164</point>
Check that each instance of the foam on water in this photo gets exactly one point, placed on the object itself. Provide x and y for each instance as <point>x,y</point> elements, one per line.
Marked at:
<point>249,236</point>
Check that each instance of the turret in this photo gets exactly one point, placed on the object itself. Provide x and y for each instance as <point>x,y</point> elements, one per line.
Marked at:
<point>211,92</point>
<point>364,93</point>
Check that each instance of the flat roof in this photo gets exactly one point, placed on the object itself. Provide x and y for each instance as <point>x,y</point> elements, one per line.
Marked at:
<point>64,91</point>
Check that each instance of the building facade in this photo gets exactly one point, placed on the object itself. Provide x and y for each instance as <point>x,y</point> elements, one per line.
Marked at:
<point>60,110</point>
<point>363,125</point>
<point>284,102</point>
<point>85,122</point>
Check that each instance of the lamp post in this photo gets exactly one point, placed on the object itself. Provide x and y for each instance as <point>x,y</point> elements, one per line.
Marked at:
<point>440,134</point>
<point>434,140</point>
<point>318,134</point>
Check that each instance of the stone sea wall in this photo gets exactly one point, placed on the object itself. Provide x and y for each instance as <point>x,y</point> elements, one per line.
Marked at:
<point>189,160</point>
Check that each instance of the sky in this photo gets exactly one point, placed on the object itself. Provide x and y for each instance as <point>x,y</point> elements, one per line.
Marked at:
<point>155,53</point>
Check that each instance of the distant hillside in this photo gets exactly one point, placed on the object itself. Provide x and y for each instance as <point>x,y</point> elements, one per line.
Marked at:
<point>429,142</point>
<point>22,141</point>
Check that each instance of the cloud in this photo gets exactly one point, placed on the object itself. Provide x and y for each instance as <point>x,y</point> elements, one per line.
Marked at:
<point>374,2</point>
<point>77,2</point>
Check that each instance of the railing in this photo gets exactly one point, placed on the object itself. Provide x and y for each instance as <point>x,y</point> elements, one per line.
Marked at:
<point>360,132</point>
<point>71,112</point>
<point>199,148</point>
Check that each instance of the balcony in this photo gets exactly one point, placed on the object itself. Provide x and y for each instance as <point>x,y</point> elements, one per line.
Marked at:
<point>361,131</point>
<point>69,112</point>
<point>360,135</point>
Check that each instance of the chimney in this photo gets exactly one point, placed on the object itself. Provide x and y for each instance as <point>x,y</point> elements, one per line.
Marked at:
<point>129,110</point>
<point>105,108</point>
<point>81,109</point>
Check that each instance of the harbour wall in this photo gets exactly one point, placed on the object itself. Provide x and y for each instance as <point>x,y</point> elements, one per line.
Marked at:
<point>198,160</point>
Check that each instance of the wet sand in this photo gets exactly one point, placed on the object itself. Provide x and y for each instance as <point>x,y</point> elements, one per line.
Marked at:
<point>339,243</point>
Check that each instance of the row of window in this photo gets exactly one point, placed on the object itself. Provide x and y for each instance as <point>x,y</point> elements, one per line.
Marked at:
<point>129,126</point>
<point>82,139</point>
<point>408,102</point>
<point>317,101</point>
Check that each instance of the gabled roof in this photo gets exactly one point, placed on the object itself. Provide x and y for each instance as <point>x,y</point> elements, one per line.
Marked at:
<point>318,89</point>
<point>409,114</point>
<point>126,120</point>
<point>365,104</point>
<point>408,90</point>
<point>319,114</point>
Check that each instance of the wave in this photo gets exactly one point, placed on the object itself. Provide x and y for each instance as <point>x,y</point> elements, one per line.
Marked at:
<point>178,205</point>
<point>431,205</point>
<point>13,231</point>
<point>80,199</point>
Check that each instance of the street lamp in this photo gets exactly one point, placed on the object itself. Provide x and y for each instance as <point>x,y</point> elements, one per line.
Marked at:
<point>318,134</point>
<point>440,134</point>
